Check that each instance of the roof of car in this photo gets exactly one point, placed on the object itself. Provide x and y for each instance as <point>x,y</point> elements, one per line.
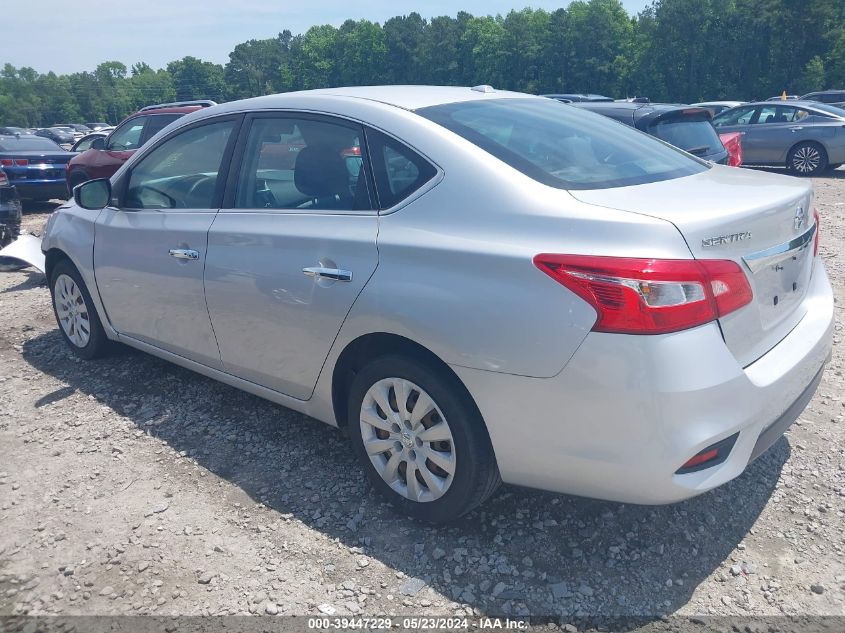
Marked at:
<point>790,102</point>
<point>405,97</point>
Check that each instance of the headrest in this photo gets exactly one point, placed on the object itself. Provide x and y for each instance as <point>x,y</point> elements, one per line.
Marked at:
<point>320,171</point>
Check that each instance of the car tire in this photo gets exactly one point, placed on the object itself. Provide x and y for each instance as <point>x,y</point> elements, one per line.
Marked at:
<point>806,159</point>
<point>464,474</point>
<point>75,313</point>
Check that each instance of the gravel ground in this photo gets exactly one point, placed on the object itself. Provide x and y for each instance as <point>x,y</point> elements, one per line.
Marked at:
<point>131,486</point>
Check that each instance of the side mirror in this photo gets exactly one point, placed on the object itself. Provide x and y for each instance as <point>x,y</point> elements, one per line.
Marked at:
<point>99,143</point>
<point>93,195</point>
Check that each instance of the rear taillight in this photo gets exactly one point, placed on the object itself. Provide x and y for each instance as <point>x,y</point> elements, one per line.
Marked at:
<point>7,162</point>
<point>650,296</point>
<point>818,228</point>
<point>21,162</point>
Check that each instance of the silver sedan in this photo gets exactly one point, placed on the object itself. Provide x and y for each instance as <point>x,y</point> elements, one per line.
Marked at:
<point>479,286</point>
<point>806,137</point>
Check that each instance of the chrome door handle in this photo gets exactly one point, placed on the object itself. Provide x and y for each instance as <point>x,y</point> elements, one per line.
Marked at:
<point>795,129</point>
<point>328,273</point>
<point>184,253</point>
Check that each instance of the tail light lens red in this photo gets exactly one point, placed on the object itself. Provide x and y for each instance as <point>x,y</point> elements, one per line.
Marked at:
<point>818,229</point>
<point>11,162</point>
<point>21,162</point>
<point>650,296</point>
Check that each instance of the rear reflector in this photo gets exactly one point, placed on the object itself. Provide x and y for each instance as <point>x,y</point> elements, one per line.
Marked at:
<point>711,456</point>
<point>650,296</point>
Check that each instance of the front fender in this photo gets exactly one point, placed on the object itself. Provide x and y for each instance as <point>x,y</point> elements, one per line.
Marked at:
<point>70,232</point>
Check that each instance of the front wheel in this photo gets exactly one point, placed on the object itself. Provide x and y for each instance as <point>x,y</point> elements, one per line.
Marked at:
<point>421,439</point>
<point>75,313</point>
<point>807,159</point>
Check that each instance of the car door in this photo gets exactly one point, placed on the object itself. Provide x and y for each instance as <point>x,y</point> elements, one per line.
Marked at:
<point>773,132</point>
<point>292,248</point>
<point>150,247</point>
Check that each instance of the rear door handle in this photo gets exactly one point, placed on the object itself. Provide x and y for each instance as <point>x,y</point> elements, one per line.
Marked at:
<point>796,128</point>
<point>184,253</point>
<point>328,273</point>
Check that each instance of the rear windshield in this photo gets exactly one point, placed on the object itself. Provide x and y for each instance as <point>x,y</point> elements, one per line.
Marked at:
<point>562,146</point>
<point>27,144</point>
<point>695,137</point>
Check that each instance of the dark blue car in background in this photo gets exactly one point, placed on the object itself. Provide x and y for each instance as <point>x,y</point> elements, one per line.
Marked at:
<point>36,166</point>
<point>10,211</point>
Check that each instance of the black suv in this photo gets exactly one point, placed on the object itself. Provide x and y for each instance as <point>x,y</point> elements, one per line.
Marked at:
<point>683,126</point>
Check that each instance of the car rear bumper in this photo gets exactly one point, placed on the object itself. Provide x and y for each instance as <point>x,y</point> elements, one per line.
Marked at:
<point>43,189</point>
<point>628,411</point>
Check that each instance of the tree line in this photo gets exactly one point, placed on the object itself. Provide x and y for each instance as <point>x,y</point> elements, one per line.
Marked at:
<point>674,50</point>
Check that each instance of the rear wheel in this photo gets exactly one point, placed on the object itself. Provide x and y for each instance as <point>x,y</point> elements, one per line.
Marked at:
<point>807,159</point>
<point>75,313</point>
<point>421,440</point>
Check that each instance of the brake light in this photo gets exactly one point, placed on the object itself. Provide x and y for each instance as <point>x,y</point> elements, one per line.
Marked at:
<point>818,229</point>
<point>21,162</point>
<point>6,162</point>
<point>650,296</point>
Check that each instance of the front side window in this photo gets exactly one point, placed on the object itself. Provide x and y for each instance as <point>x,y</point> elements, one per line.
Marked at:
<point>735,116</point>
<point>302,163</point>
<point>128,135</point>
<point>398,170</point>
<point>562,146</point>
<point>182,172</point>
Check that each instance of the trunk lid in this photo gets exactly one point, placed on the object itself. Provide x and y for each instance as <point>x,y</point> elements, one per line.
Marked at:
<point>762,221</point>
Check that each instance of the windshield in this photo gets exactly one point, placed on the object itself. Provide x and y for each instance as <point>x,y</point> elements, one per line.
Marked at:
<point>28,144</point>
<point>695,137</point>
<point>562,146</point>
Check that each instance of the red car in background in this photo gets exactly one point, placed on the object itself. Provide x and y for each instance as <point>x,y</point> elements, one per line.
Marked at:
<point>107,154</point>
<point>733,143</point>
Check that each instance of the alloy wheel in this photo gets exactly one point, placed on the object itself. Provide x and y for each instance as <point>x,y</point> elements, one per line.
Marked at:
<point>72,311</point>
<point>408,439</point>
<point>806,159</point>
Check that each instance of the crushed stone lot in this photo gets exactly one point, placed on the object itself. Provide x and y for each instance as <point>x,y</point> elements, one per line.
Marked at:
<point>132,486</point>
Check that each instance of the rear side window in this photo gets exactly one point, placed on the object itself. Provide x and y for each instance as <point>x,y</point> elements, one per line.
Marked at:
<point>155,124</point>
<point>398,170</point>
<point>563,146</point>
<point>303,163</point>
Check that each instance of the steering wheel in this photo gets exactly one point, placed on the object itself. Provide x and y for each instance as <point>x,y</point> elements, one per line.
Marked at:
<point>194,183</point>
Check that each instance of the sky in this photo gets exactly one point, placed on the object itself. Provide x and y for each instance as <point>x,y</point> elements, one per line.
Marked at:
<point>69,37</point>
